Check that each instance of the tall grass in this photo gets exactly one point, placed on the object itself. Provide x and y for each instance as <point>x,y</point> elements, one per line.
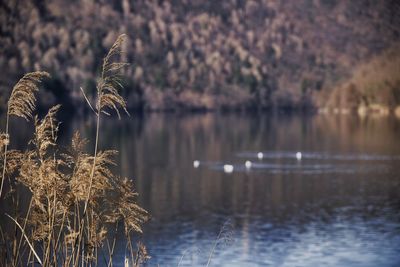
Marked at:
<point>77,203</point>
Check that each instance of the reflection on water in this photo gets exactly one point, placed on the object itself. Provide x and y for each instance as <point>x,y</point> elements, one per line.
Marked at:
<point>337,206</point>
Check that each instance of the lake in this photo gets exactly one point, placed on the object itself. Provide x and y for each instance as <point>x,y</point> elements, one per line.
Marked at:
<point>339,205</point>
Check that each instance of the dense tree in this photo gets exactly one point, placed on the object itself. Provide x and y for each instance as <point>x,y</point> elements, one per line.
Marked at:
<point>198,54</point>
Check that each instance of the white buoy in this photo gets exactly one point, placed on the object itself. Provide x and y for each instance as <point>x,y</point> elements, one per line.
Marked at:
<point>228,168</point>
<point>247,164</point>
<point>260,155</point>
<point>196,163</point>
<point>298,155</point>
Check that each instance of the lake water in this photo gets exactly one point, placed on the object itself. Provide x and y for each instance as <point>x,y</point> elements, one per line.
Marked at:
<point>337,206</point>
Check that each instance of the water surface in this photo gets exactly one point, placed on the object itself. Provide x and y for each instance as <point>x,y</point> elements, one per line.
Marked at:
<point>337,206</point>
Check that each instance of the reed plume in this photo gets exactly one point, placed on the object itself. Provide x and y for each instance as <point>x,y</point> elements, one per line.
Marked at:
<point>22,100</point>
<point>125,208</point>
<point>225,236</point>
<point>110,82</point>
<point>21,104</point>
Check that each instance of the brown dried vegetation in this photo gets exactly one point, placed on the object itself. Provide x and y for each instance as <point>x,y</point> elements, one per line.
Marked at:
<point>373,86</point>
<point>77,203</point>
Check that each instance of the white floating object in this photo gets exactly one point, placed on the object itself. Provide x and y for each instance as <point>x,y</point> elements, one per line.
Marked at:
<point>196,163</point>
<point>298,155</point>
<point>228,168</point>
<point>247,164</point>
<point>260,155</point>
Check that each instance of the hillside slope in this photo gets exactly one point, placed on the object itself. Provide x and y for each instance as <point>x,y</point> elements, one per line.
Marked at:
<point>196,54</point>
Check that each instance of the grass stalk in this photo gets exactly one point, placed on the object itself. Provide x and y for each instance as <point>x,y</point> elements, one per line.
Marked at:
<point>24,227</point>
<point>27,239</point>
<point>5,154</point>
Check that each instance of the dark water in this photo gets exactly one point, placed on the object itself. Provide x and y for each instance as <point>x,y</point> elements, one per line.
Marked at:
<point>337,206</point>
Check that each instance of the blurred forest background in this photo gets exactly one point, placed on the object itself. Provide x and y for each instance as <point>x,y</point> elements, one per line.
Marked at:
<point>199,55</point>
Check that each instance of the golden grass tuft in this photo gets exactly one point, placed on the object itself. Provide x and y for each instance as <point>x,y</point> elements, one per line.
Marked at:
<point>76,200</point>
<point>22,100</point>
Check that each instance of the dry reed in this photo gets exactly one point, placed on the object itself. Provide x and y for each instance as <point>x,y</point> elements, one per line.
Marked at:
<point>76,199</point>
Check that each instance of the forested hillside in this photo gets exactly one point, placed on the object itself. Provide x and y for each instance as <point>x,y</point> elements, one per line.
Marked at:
<point>196,54</point>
